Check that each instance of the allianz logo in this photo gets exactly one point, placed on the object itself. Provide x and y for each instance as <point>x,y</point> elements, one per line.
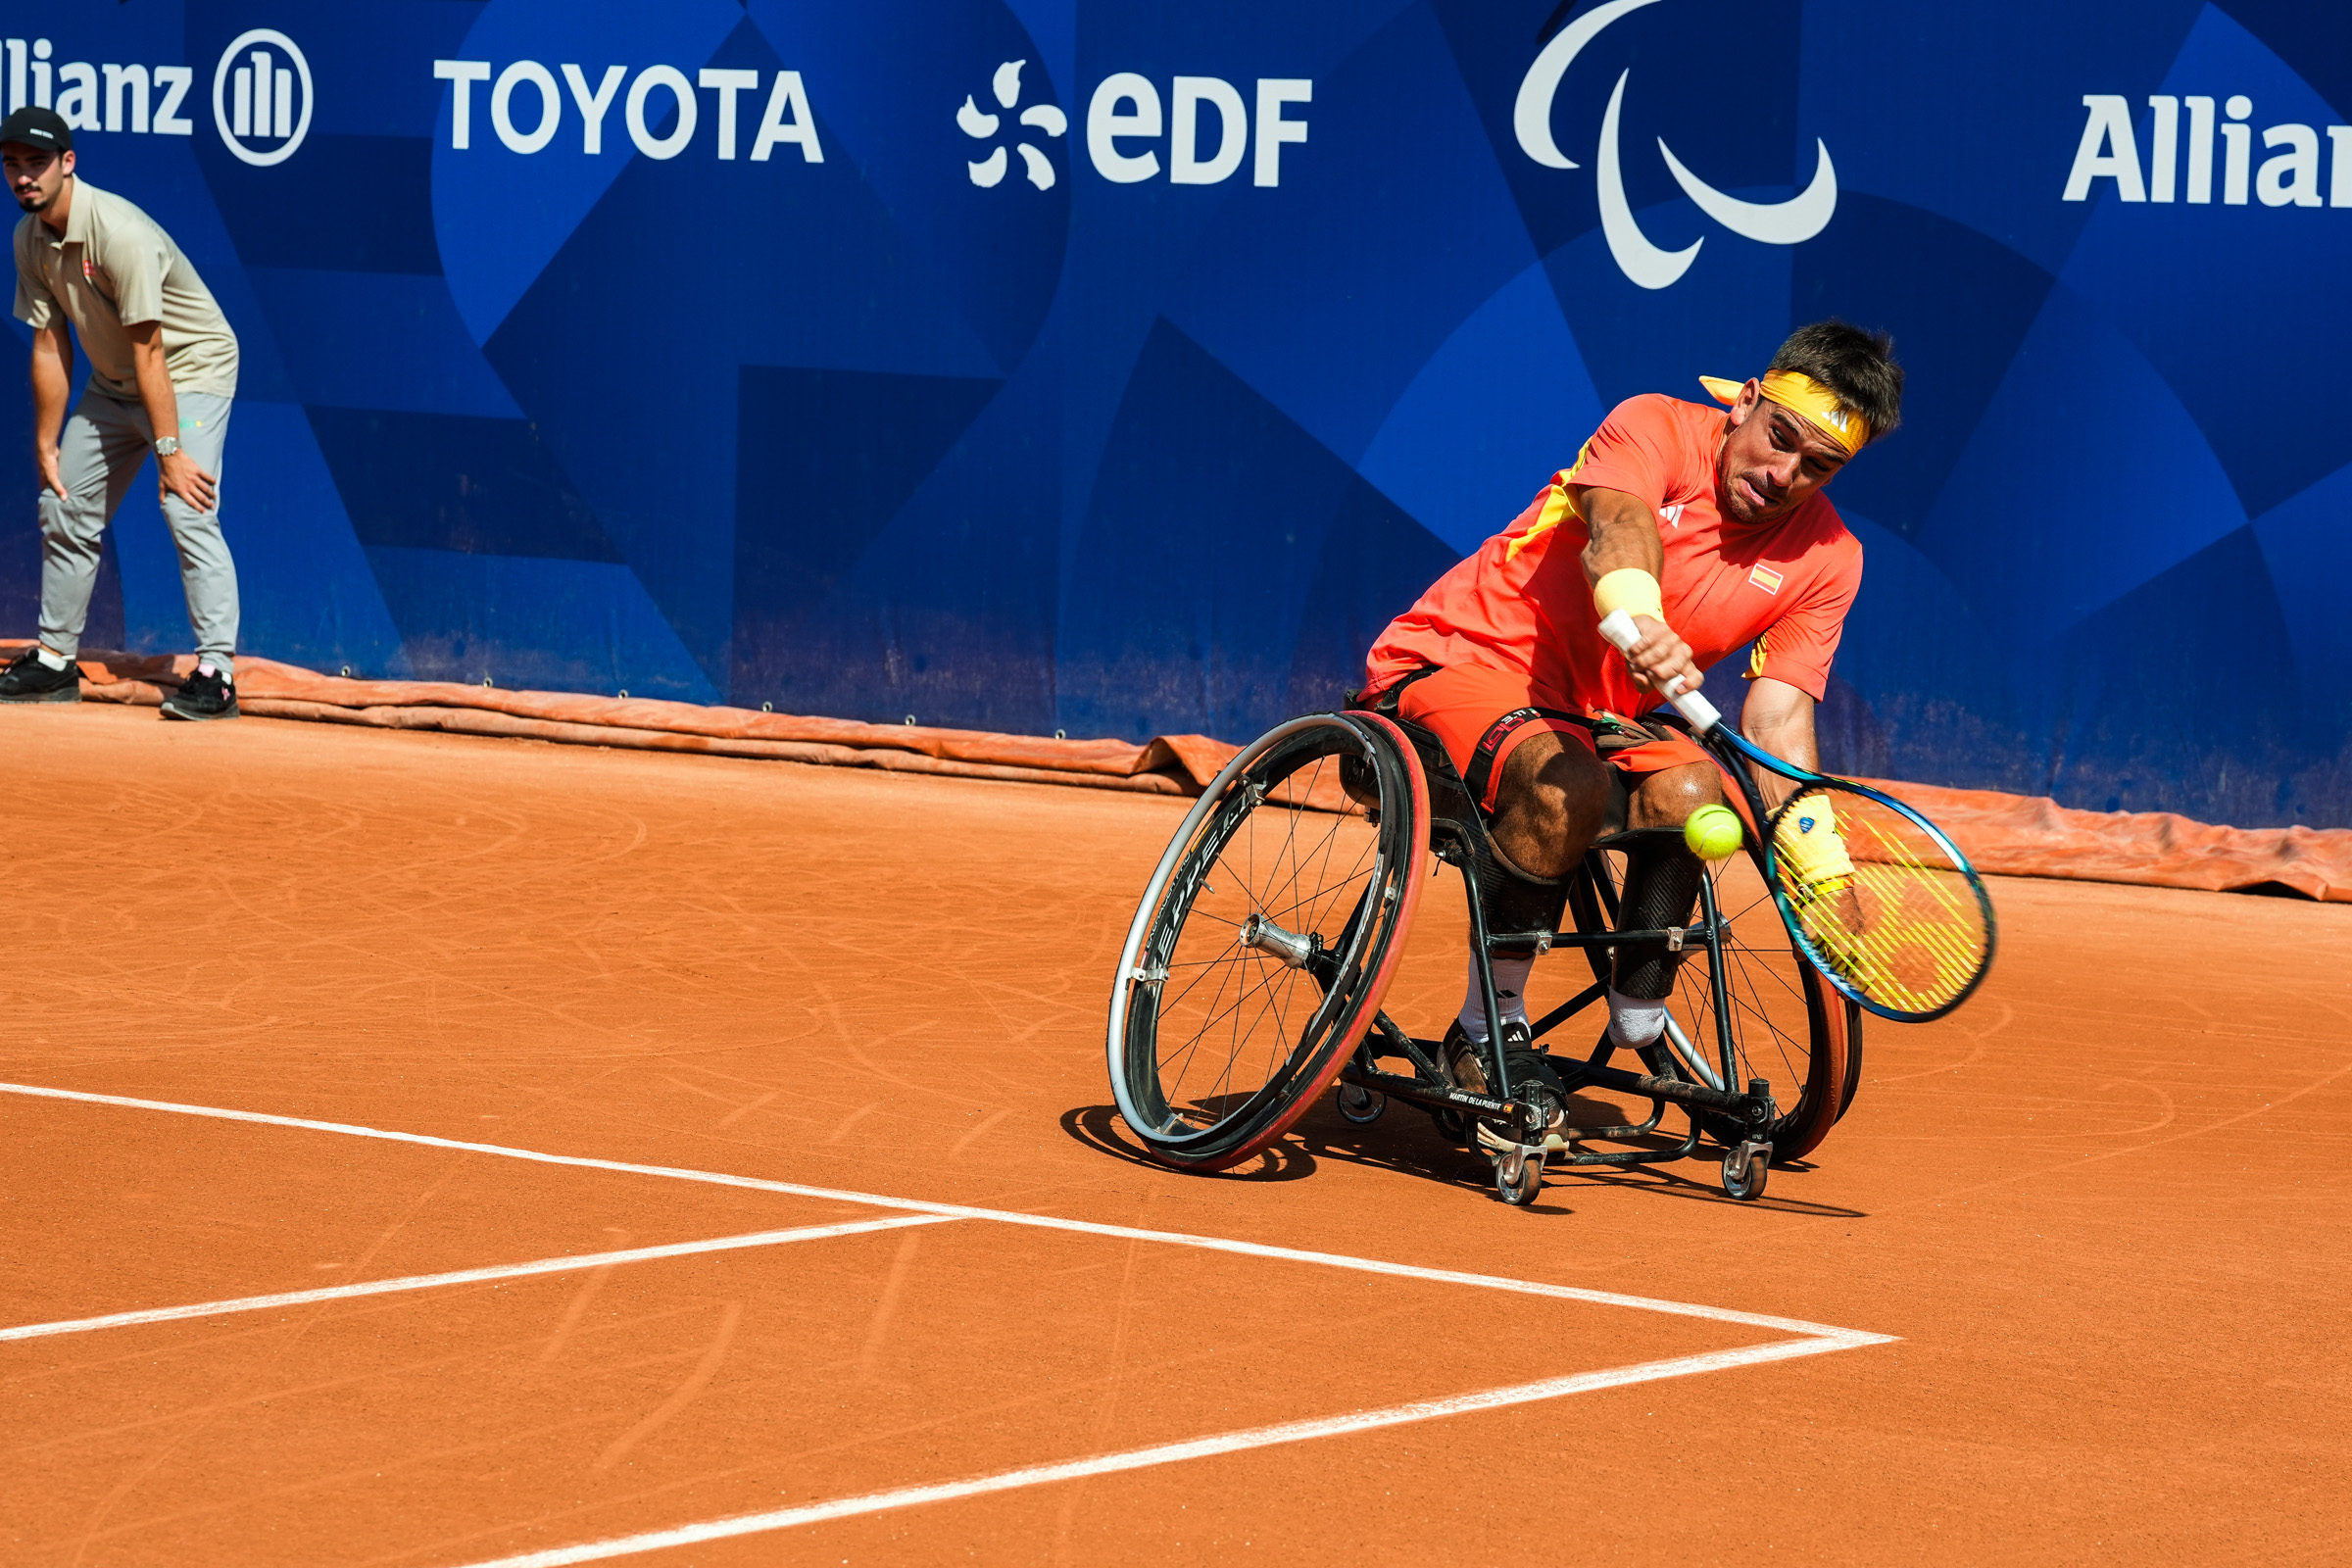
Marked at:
<point>261,93</point>
<point>2180,162</point>
<point>143,100</point>
<point>262,97</point>
<point>529,109</point>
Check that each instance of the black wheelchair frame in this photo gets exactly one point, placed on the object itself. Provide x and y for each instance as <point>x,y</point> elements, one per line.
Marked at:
<point>1740,1117</point>
<point>1255,967</point>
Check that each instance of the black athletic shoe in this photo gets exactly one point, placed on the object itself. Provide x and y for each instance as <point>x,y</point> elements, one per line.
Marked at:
<point>1464,1060</point>
<point>1532,1079</point>
<point>203,694</point>
<point>27,680</point>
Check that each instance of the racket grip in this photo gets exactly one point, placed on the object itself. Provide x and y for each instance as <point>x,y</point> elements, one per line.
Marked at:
<point>1619,628</point>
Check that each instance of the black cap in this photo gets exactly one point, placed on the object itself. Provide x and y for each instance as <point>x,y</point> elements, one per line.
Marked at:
<point>37,127</point>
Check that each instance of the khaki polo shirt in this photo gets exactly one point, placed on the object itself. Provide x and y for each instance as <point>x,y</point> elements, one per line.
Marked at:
<point>114,266</point>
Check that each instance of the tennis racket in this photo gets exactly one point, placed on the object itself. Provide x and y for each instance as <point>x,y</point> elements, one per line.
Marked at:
<point>1877,897</point>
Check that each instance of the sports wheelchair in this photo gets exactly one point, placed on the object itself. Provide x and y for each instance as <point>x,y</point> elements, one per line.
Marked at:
<point>1253,973</point>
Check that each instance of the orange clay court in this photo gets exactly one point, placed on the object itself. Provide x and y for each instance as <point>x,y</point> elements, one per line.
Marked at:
<point>431,1150</point>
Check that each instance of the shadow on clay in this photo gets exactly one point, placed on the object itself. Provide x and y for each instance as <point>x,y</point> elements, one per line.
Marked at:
<point>1410,1145</point>
<point>1101,1129</point>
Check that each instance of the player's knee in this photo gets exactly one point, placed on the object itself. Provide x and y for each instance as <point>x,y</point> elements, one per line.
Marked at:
<point>1667,797</point>
<point>1550,812</point>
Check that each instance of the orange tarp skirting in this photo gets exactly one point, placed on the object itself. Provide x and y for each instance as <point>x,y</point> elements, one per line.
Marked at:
<point>2012,835</point>
<point>2032,835</point>
<point>272,689</point>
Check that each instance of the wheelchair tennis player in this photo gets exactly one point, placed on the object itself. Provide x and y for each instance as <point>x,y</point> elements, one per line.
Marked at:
<point>1710,528</point>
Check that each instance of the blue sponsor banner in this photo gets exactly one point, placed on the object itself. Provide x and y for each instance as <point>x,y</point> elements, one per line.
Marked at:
<point>1122,369</point>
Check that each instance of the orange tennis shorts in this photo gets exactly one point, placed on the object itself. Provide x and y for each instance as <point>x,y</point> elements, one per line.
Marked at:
<point>1470,708</point>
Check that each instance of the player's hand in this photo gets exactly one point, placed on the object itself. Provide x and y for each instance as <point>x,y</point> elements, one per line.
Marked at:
<point>179,475</point>
<point>1661,656</point>
<point>1833,918</point>
<point>46,458</point>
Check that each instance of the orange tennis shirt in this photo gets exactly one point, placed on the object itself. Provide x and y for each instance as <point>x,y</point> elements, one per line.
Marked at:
<point>1521,603</point>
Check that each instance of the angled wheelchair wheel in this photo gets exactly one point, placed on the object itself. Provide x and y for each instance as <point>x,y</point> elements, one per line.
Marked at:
<point>1790,1027</point>
<point>1266,937</point>
<point>1853,1061</point>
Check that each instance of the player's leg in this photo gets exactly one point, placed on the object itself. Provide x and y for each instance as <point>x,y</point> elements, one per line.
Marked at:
<point>89,450</point>
<point>1778,1018</point>
<point>1546,811</point>
<point>207,572</point>
<point>1661,888</point>
<point>1549,806</point>
<point>1545,795</point>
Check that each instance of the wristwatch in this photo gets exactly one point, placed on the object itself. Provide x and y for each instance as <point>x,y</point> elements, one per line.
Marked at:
<point>166,446</point>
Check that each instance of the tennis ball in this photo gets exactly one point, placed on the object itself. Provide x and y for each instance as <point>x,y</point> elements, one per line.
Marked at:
<point>1713,832</point>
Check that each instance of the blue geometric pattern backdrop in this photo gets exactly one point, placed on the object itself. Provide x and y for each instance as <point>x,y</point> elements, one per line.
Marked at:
<point>1121,368</point>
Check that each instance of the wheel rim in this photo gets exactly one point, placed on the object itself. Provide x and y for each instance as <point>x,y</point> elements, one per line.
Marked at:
<point>1272,891</point>
<point>1263,944</point>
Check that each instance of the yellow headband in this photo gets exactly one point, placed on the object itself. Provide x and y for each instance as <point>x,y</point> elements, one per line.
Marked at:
<point>1802,394</point>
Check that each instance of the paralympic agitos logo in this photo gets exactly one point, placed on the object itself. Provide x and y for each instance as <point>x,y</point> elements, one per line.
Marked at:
<point>1788,222</point>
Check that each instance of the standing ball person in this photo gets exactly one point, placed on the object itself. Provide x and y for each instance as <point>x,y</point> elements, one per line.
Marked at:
<point>162,372</point>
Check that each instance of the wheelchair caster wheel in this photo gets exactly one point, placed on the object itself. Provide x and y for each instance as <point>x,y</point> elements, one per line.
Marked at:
<point>1362,1106</point>
<point>1745,1169</point>
<point>1518,1178</point>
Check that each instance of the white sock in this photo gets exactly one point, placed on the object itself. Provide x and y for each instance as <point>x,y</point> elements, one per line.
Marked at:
<point>53,660</point>
<point>205,666</point>
<point>1510,994</point>
<point>1634,1022</point>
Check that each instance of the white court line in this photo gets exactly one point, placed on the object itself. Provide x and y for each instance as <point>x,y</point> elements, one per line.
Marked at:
<point>1395,1415</point>
<point>463,1276</point>
<point>1214,1244</point>
<point>1814,1339</point>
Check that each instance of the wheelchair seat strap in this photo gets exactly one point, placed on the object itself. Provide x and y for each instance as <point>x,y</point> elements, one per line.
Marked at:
<point>1481,772</point>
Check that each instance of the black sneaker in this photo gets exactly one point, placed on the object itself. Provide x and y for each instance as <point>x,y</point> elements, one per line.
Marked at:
<point>1532,1079</point>
<point>203,694</point>
<point>27,680</point>
<point>1466,1061</point>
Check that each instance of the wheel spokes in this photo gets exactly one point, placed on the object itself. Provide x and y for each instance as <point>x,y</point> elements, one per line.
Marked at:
<point>1282,881</point>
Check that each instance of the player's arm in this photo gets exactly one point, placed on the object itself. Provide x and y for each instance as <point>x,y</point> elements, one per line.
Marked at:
<point>52,380</point>
<point>1779,718</point>
<point>1624,537</point>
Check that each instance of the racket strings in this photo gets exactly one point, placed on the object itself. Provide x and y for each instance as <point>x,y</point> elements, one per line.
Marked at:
<point>1902,924</point>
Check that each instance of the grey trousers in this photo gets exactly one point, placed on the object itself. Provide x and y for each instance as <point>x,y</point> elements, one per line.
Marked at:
<point>99,456</point>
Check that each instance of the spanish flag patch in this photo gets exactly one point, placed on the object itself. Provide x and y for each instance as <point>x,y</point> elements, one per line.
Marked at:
<point>1765,577</point>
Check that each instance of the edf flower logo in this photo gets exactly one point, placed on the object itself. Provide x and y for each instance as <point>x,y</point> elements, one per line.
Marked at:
<point>989,170</point>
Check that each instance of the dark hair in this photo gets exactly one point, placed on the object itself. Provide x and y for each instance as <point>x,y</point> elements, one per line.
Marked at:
<point>1858,365</point>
